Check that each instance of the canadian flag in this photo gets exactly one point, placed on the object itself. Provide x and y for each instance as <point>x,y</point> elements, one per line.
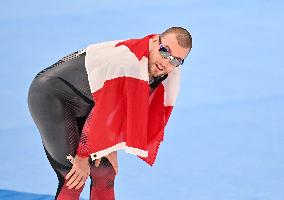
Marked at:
<point>125,116</point>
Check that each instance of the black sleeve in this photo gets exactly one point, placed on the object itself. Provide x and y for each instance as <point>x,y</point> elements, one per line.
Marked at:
<point>157,81</point>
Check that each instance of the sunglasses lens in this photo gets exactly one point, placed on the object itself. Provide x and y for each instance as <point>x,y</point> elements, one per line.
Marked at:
<point>175,62</point>
<point>165,54</point>
<point>164,49</point>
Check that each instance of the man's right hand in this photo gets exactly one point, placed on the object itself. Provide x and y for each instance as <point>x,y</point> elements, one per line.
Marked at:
<point>79,173</point>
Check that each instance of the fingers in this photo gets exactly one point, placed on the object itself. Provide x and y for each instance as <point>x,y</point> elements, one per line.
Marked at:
<point>74,178</point>
<point>112,157</point>
<point>72,171</point>
<point>97,162</point>
<point>81,183</point>
<point>79,180</point>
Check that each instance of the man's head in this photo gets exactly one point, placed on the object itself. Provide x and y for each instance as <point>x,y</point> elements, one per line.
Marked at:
<point>168,50</point>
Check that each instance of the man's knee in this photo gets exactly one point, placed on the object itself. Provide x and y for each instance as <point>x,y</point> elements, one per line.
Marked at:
<point>104,172</point>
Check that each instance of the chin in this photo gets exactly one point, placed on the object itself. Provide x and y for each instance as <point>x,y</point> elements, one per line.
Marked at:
<point>157,75</point>
<point>154,72</point>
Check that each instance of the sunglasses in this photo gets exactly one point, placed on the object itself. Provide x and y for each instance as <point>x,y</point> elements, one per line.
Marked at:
<point>164,51</point>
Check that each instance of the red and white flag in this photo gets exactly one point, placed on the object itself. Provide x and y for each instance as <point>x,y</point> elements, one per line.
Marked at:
<point>124,115</point>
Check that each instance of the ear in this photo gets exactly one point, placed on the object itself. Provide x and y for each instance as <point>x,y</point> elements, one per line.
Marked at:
<point>156,38</point>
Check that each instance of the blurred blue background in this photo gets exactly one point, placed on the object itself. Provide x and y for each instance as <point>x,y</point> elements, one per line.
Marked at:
<point>225,138</point>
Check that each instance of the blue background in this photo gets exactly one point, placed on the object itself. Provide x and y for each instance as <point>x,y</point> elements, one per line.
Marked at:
<point>225,137</point>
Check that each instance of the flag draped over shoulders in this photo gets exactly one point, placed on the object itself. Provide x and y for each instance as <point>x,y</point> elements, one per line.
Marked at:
<point>125,116</point>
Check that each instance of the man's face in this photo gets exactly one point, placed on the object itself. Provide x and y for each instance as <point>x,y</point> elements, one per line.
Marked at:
<point>159,65</point>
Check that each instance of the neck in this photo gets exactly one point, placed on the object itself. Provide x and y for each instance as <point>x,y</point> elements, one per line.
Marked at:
<point>151,45</point>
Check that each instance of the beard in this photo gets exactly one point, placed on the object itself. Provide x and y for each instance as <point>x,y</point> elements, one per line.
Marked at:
<point>154,71</point>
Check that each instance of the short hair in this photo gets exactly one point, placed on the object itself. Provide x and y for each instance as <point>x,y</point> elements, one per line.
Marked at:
<point>183,37</point>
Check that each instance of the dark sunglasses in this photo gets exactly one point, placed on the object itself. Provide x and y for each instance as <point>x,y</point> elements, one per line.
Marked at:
<point>164,51</point>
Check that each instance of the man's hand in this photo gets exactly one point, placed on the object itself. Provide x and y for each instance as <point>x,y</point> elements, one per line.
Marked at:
<point>79,173</point>
<point>112,157</point>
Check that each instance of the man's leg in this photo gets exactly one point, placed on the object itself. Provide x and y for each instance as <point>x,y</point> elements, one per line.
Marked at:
<point>63,193</point>
<point>53,112</point>
<point>102,181</point>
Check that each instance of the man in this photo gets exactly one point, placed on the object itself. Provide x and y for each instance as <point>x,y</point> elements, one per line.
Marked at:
<point>128,114</point>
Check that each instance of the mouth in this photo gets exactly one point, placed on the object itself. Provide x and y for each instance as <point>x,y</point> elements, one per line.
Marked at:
<point>161,69</point>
